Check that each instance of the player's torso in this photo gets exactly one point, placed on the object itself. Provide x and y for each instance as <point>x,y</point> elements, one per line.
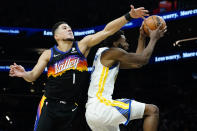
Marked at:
<point>67,72</point>
<point>102,78</point>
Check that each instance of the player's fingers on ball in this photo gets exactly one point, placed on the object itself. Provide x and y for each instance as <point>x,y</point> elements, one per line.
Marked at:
<point>159,26</point>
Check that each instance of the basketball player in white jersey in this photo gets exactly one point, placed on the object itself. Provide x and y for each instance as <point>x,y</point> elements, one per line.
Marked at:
<point>102,112</point>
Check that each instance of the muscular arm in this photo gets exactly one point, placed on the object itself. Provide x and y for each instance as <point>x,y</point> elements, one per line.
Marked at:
<point>39,67</point>
<point>128,60</point>
<point>112,27</point>
<point>92,40</point>
<point>143,54</point>
<point>141,43</point>
<point>139,50</point>
<point>19,71</point>
<point>132,60</point>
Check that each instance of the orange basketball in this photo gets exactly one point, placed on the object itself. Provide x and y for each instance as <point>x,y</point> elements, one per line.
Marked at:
<point>153,22</point>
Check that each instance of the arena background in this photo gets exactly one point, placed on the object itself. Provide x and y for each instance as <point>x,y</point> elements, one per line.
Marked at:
<point>169,84</point>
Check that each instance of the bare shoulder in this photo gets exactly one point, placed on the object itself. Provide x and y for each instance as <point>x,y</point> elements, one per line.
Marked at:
<point>82,46</point>
<point>46,55</point>
<point>46,52</point>
<point>112,56</point>
<point>113,53</point>
<point>117,50</point>
<point>85,40</point>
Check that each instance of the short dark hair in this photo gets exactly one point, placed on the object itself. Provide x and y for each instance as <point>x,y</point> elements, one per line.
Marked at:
<point>54,28</point>
<point>109,40</point>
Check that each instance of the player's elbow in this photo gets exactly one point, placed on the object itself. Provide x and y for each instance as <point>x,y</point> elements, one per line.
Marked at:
<point>30,77</point>
<point>29,80</point>
<point>34,78</point>
<point>137,66</point>
<point>144,61</point>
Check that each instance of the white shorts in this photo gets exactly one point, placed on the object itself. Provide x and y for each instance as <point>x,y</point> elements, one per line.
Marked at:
<point>107,117</point>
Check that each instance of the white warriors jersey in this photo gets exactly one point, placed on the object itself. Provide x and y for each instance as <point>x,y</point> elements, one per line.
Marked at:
<point>102,78</point>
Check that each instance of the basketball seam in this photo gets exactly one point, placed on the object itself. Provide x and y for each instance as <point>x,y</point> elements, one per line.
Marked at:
<point>154,23</point>
<point>158,21</point>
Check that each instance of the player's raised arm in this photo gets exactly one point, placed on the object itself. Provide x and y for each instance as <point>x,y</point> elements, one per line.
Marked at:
<point>134,60</point>
<point>113,27</point>
<point>141,41</point>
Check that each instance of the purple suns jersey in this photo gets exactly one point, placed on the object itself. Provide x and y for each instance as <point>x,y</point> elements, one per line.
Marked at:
<point>67,74</point>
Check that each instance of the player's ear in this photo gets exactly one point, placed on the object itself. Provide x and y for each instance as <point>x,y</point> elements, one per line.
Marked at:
<point>55,37</point>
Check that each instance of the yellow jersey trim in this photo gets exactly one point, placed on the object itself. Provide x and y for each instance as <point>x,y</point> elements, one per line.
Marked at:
<point>102,81</point>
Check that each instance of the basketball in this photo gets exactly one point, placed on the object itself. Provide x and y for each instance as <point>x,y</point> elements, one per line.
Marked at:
<point>153,22</point>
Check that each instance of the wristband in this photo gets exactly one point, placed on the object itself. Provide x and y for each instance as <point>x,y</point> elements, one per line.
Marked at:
<point>128,16</point>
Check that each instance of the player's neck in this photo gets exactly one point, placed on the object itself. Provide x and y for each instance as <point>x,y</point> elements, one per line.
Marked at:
<point>64,45</point>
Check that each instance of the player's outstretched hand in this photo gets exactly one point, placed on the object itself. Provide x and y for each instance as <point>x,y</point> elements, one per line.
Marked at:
<point>140,12</point>
<point>16,70</point>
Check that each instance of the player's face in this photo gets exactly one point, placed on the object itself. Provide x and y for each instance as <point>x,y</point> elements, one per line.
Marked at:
<point>123,43</point>
<point>64,32</point>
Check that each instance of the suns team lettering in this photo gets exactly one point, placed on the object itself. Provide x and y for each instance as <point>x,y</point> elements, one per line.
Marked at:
<point>69,63</point>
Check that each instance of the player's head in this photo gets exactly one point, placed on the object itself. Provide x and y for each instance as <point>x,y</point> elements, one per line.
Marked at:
<point>62,31</point>
<point>117,40</point>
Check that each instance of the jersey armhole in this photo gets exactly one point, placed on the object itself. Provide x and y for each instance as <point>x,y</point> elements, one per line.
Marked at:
<point>51,55</point>
<point>111,67</point>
